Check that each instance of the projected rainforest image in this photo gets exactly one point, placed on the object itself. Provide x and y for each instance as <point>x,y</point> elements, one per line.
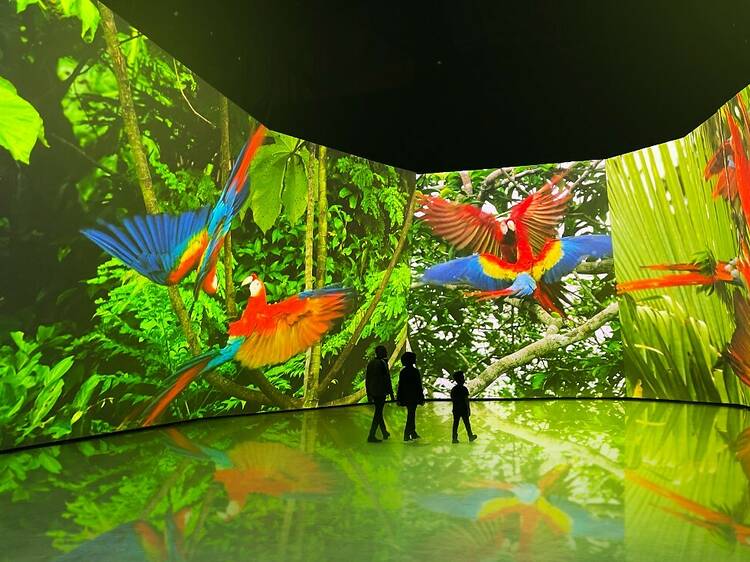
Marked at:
<point>170,257</point>
<point>680,224</point>
<point>513,282</point>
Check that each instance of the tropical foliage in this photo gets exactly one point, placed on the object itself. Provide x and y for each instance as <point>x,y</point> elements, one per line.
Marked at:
<point>663,212</point>
<point>84,341</point>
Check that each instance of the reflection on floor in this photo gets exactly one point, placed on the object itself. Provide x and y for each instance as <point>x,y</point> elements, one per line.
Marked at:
<point>550,480</point>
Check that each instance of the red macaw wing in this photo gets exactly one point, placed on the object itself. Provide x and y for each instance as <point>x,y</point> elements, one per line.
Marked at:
<point>738,351</point>
<point>742,170</point>
<point>462,225</point>
<point>282,330</point>
<point>718,161</point>
<point>539,215</point>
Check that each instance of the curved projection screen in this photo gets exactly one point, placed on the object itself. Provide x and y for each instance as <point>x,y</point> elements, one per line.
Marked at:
<point>680,215</point>
<point>148,280</point>
<point>88,343</point>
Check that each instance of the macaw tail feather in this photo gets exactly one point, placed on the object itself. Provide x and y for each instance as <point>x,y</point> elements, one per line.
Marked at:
<point>163,248</point>
<point>678,280</point>
<point>551,297</point>
<point>187,373</point>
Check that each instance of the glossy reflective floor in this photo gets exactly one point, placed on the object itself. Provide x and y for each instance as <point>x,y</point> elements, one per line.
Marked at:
<point>565,480</point>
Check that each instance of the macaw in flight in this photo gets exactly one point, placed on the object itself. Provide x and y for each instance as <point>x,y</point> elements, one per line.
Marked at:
<point>720,523</point>
<point>493,277</point>
<point>516,239</point>
<point>535,505</point>
<point>165,248</point>
<point>265,334</point>
<point>136,541</point>
<point>270,469</point>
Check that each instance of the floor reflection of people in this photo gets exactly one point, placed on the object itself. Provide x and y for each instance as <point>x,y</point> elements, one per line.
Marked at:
<point>271,469</point>
<point>378,386</point>
<point>410,393</point>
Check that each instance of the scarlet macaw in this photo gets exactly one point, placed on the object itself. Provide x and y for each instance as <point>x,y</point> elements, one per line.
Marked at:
<point>270,469</point>
<point>494,277</point>
<point>265,334</point>
<point>135,541</point>
<point>516,239</point>
<point>165,248</point>
<point>533,503</point>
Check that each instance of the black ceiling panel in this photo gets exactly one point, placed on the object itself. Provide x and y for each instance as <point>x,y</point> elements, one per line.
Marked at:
<point>438,85</point>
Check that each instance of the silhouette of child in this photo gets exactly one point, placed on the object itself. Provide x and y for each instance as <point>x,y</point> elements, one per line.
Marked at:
<point>410,393</point>
<point>461,408</point>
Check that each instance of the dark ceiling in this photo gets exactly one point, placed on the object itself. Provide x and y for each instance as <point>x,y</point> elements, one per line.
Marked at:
<point>438,85</point>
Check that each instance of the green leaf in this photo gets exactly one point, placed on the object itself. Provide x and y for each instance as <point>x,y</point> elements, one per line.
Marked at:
<point>86,11</point>
<point>20,124</point>
<point>21,5</point>
<point>294,195</point>
<point>265,190</point>
<point>50,463</point>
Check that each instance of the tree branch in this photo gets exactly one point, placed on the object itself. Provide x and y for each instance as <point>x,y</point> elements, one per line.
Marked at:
<point>594,267</point>
<point>540,348</point>
<point>344,354</point>
<point>272,393</point>
<point>182,92</point>
<point>235,390</point>
<point>466,183</point>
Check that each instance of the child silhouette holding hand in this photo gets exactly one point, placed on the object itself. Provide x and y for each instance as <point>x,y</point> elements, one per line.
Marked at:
<point>461,409</point>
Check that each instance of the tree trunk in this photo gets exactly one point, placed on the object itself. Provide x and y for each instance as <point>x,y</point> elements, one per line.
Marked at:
<point>133,133</point>
<point>312,391</point>
<point>344,354</point>
<point>311,376</point>
<point>225,168</point>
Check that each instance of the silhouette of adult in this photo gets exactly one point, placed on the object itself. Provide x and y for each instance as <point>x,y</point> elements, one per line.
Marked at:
<point>378,387</point>
<point>410,393</point>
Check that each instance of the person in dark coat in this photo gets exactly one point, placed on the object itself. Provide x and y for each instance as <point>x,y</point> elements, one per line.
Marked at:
<point>378,386</point>
<point>461,407</point>
<point>410,393</point>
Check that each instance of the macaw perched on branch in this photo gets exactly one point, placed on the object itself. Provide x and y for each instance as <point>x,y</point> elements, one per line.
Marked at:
<point>494,277</point>
<point>265,334</point>
<point>270,469</point>
<point>165,248</point>
<point>516,239</point>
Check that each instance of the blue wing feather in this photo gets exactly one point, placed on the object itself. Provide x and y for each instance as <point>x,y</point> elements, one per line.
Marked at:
<point>150,244</point>
<point>575,249</point>
<point>463,271</point>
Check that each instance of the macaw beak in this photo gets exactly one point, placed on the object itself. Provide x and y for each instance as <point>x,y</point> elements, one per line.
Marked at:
<point>247,280</point>
<point>511,225</point>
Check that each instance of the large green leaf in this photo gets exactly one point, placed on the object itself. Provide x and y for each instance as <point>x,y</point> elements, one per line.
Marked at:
<point>267,178</point>
<point>20,124</point>
<point>294,194</point>
<point>86,11</point>
<point>277,178</point>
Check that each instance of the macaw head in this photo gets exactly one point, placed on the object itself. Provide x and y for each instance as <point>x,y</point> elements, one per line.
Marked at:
<point>257,289</point>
